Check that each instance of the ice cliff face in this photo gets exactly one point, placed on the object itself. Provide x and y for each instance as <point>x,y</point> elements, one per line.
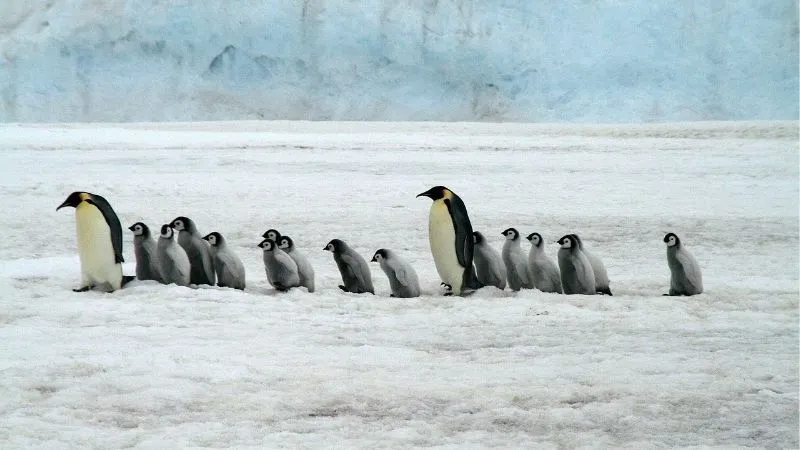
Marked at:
<point>543,61</point>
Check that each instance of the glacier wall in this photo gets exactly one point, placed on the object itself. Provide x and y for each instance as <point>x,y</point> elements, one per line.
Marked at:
<point>497,60</point>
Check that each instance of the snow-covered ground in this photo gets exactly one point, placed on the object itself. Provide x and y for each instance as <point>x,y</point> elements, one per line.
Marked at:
<point>164,367</point>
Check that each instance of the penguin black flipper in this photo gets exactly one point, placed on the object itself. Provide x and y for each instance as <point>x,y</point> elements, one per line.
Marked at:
<point>463,230</point>
<point>114,226</point>
<point>465,246</point>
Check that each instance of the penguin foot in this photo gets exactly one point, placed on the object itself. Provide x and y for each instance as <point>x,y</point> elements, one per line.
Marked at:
<point>391,295</point>
<point>341,286</point>
<point>126,279</point>
<point>82,289</point>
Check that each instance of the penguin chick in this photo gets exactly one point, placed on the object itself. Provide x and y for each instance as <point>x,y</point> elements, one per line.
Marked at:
<point>686,278</point>
<point>515,261</point>
<point>489,266</point>
<point>355,272</point>
<point>543,270</point>
<point>304,269</point>
<point>280,267</point>
<point>273,234</point>
<point>600,274</point>
<point>144,248</point>
<point>228,266</point>
<point>403,280</point>
<point>196,249</point>
<point>173,263</point>
<point>577,276</point>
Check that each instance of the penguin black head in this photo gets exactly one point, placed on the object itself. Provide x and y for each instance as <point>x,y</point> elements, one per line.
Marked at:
<point>75,199</point>
<point>267,245</point>
<point>382,253</point>
<point>182,223</point>
<point>511,234</point>
<point>140,229</point>
<point>535,239</point>
<point>167,231</point>
<point>672,240</point>
<point>567,241</point>
<point>436,193</point>
<point>335,246</point>
<point>214,238</point>
<point>285,243</point>
<point>273,234</point>
<point>477,238</point>
<point>576,240</point>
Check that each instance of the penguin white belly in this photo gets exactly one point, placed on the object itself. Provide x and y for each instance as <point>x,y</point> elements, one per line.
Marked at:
<point>442,236</point>
<point>98,265</point>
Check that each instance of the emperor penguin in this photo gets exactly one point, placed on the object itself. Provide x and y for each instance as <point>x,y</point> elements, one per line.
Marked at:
<point>450,235</point>
<point>304,268</point>
<point>99,236</point>
<point>686,278</point>
<point>280,267</point>
<point>403,280</point>
<point>577,276</point>
<point>355,272</point>
<point>600,274</point>
<point>489,266</point>
<point>196,249</point>
<point>544,273</point>
<point>228,266</point>
<point>144,248</point>
<point>173,263</point>
<point>516,262</point>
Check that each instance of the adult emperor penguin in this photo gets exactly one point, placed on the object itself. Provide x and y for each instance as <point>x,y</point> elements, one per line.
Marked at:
<point>403,280</point>
<point>544,272</point>
<point>577,276</point>
<point>686,278</point>
<point>173,263</point>
<point>144,248</point>
<point>280,267</point>
<point>450,235</point>
<point>196,249</point>
<point>600,274</point>
<point>99,236</point>
<point>489,266</point>
<point>304,268</point>
<point>516,263</point>
<point>228,266</point>
<point>355,272</point>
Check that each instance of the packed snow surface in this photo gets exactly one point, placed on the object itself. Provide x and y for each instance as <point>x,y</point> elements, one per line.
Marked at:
<point>494,60</point>
<point>158,366</point>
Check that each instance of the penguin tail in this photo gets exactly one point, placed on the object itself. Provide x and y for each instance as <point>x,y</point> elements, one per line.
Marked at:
<point>127,279</point>
<point>605,291</point>
<point>471,280</point>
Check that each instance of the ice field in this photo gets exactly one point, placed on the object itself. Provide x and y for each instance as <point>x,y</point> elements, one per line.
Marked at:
<point>156,366</point>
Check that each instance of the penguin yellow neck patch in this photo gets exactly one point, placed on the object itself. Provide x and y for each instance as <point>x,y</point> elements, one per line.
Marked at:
<point>84,196</point>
